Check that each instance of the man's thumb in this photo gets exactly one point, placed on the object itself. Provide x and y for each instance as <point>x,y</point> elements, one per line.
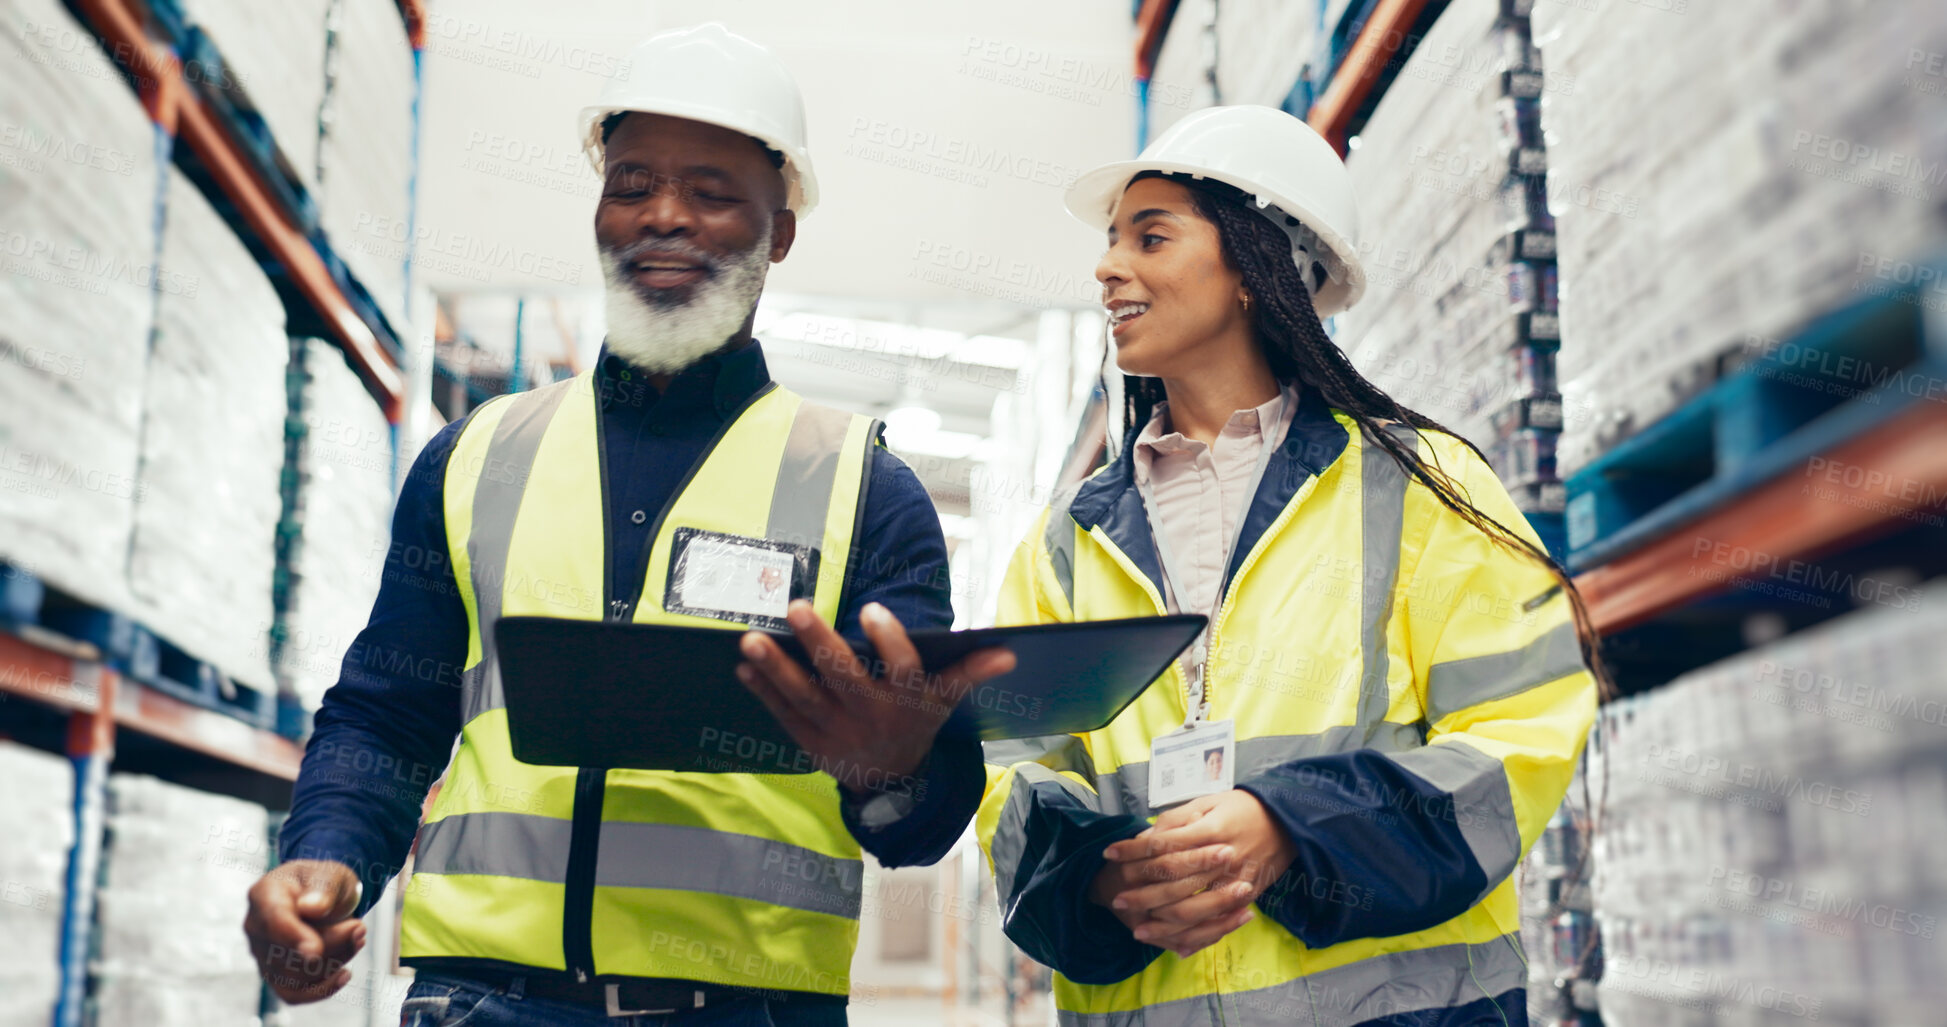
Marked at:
<point>327,895</point>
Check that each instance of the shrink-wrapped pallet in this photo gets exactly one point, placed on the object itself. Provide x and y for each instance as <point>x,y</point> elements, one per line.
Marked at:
<point>365,159</point>
<point>202,562</point>
<point>177,866</point>
<point>341,524</point>
<point>78,182</point>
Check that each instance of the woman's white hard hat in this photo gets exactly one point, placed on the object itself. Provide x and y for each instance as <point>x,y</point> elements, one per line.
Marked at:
<point>710,74</point>
<point>1288,170</point>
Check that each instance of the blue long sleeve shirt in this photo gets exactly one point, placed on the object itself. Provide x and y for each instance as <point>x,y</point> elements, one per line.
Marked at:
<point>386,730</point>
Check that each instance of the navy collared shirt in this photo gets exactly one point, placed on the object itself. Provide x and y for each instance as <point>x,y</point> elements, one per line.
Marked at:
<point>386,730</point>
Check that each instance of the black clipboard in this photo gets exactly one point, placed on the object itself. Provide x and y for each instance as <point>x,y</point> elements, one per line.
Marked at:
<point>656,697</point>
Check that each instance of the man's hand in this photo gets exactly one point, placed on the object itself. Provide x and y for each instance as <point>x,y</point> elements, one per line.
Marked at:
<point>300,928</point>
<point>1185,921</point>
<point>882,723</point>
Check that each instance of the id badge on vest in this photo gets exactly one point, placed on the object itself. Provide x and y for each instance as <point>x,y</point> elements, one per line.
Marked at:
<point>1195,760</point>
<point>737,578</point>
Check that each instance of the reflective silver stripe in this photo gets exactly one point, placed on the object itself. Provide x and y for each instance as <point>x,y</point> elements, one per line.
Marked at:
<point>520,845</point>
<point>1010,834</point>
<point>1058,535</point>
<point>1127,789</point>
<point>1382,490</point>
<point>496,503</point>
<point>632,855</point>
<point>1441,977</point>
<point>1458,684</point>
<point>1483,805</point>
<point>1058,752</point>
<point>803,494</point>
<point>697,859</point>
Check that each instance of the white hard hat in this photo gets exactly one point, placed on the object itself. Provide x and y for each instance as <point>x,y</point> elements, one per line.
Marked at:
<point>1274,158</point>
<point>713,75</point>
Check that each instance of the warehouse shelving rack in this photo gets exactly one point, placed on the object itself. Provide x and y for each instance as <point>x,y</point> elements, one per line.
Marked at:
<point>1763,443</point>
<point>181,115</point>
<point>75,679</point>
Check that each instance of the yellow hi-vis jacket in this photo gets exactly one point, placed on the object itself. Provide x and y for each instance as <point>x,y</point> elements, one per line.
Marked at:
<point>736,879</point>
<point>1409,702</point>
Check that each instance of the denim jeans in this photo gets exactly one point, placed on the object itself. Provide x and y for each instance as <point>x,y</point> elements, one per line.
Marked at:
<point>437,1000</point>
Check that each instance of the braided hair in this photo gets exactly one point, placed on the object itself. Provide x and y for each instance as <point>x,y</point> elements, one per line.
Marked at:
<point>1297,349</point>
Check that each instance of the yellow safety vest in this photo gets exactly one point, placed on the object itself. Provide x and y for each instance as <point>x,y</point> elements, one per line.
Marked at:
<point>1366,616</point>
<point>734,879</point>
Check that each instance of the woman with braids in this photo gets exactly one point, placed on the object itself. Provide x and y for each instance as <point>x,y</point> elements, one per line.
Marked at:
<point>1395,675</point>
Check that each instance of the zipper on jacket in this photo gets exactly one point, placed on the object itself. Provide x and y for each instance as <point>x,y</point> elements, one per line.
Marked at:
<point>1227,601</point>
<point>591,783</point>
<point>585,824</point>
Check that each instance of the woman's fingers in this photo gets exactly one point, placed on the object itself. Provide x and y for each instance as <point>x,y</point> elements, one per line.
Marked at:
<point>1148,899</point>
<point>1159,841</point>
<point>1213,859</point>
<point>1222,899</point>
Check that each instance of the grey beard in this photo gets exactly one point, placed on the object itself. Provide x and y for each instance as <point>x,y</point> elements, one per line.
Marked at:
<point>663,337</point>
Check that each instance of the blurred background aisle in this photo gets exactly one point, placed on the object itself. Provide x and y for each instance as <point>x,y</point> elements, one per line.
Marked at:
<point>1678,269</point>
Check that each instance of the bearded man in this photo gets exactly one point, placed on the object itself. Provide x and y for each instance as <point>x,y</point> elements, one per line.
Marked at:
<point>561,895</point>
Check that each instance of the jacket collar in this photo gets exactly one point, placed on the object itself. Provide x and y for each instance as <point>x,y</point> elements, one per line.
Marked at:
<point>711,388</point>
<point>1111,501</point>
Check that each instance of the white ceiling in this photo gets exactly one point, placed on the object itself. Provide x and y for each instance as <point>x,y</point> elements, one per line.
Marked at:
<point>506,200</point>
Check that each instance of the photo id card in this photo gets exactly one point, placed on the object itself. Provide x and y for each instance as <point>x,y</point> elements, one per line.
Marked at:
<point>1190,762</point>
<point>729,577</point>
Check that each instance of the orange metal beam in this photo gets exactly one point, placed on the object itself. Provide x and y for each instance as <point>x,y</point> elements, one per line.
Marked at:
<point>121,24</point>
<point>415,15</point>
<point>1778,521</point>
<point>1151,22</point>
<point>206,731</point>
<point>1384,32</point>
<point>45,676</point>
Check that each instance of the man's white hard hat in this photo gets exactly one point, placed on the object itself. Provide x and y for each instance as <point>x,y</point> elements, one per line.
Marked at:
<point>1287,169</point>
<point>710,74</point>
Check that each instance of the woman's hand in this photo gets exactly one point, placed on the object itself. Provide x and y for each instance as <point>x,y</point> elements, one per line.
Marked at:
<point>1134,890</point>
<point>1235,820</point>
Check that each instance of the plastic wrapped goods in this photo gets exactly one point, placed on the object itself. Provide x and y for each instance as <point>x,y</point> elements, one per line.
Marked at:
<point>1713,197</point>
<point>177,867</point>
<point>78,182</point>
<point>1440,325</point>
<point>342,522</point>
<point>213,447</point>
<point>1769,848</point>
<point>365,158</point>
<point>37,809</point>
<point>274,54</point>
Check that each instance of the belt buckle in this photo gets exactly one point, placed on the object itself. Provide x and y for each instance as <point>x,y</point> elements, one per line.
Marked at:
<point>612,1003</point>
